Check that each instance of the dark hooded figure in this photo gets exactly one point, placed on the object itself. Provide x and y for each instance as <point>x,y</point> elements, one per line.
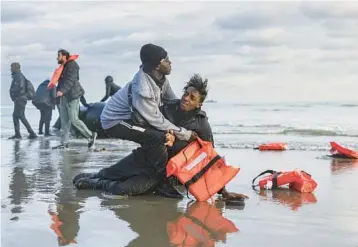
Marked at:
<point>111,88</point>
<point>45,102</point>
<point>18,95</point>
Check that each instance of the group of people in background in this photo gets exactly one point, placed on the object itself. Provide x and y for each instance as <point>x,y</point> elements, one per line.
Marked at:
<point>66,96</point>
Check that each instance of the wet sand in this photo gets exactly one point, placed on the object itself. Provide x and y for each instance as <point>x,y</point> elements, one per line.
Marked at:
<point>36,182</point>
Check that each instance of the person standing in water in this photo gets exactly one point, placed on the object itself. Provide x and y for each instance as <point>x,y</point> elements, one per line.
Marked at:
<point>111,88</point>
<point>18,94</point>
<point>45,101</point>
<point>70,90</point>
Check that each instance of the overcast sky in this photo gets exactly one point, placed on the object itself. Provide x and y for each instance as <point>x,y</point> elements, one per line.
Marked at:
<point>249,51</point>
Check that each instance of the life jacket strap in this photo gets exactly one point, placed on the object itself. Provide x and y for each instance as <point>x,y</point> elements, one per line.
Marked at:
<point>197,176</point>
<point>211,233</point>
<point>262,173</point>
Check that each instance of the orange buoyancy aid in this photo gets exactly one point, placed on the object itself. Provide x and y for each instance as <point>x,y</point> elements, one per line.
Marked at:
<point>202,224</point>
<point>201,169</point>
<point>297,180</point>
<point>275,146</point>
<point>56,75</point>
<point>338,150</point>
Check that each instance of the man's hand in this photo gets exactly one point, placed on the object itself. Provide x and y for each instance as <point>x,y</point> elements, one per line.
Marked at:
<point>169,138</point>
<point>232,195</point>
<point>59,94</point>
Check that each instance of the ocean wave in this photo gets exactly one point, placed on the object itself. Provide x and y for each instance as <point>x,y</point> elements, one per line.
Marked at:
<point>286,131</point>
<point>349,105</point>
<point>290,146</point>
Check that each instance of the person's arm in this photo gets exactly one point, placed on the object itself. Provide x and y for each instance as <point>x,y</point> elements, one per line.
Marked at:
<point>83,101</point>
<point>204,131</point>
<point>148,108</point>
<point>53,96</point>
<point>108,91</point>
<point>71,78</point>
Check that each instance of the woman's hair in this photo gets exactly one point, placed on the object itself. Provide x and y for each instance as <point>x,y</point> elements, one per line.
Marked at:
<point>199,84</point>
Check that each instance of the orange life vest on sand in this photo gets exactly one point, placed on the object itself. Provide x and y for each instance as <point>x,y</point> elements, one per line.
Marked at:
<point>56,75</point>
<point>289,198</point>
<point>202,224</point>
<point>339,151</point>
<point>275,146</point>
<point>201,169</point>
<point>297,180</point>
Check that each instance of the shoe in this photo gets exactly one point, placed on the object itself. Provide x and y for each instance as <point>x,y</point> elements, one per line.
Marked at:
<point>92,140</point>
<point>41,133</point>
<point>48,134</point>
<point>15,137</point>
<point>167,190</point>
<point>62,146</point>
<point>90,183</point>
<point>83,175</point>
<point>32,136</point>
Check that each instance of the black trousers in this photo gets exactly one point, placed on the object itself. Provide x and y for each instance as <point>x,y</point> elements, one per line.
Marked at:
<point>129,176</point>
<point>19,115</point>
<point>46,116</point>
<point>153,153</point>
<point>133,176</point>
<point>139,172</point>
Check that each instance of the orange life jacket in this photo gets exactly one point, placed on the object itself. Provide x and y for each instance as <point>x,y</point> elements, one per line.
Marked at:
<point>202,224</point>
<point>201,169</point>
<point>297,180</point>
<point>56,75</point>
<point>289,198</point>
<point>276,146</point>
<point>338,150</point>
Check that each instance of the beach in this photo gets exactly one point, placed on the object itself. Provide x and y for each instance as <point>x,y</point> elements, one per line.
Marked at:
<point>36,184</point>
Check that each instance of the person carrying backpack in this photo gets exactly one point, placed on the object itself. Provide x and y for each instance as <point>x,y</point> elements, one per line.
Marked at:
<point>21,90</point>
<point>45,101</point>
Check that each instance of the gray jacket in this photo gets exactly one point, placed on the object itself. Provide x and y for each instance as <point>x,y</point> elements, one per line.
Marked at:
<point>147,98</point>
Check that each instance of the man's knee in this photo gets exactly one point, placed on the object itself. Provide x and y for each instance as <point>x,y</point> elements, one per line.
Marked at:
<point>154,138</point>
<point>132,186</point>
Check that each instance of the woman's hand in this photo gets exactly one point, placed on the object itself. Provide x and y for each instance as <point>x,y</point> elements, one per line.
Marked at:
<point>169,138</point>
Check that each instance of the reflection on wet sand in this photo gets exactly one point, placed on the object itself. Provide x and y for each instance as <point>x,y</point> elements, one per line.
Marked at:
<point>159,222</point>
<point>339,165</point>
<point>65,213</point>
<point>288,198</point>
<point>201,225</point>
<point>21,186</point>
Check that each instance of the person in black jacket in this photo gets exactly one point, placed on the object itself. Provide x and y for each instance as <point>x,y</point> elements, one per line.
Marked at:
<point>70,90</point>
<point>18,96</point>
<point>111,88</point>
<point>45,101</point>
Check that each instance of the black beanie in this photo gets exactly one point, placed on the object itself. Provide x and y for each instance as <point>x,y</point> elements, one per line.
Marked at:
<point>151,55</point>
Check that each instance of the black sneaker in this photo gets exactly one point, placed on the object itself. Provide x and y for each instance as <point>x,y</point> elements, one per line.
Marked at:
<point>15,137</point>
<point>32,136</point>
<point>62,146</point>
<point>90,183</point>
<point>83,175</point>
<point>92,140</point>
<point>167,190</point>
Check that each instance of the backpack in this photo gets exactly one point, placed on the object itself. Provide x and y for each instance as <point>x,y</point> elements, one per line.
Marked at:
<point>30,90</point>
